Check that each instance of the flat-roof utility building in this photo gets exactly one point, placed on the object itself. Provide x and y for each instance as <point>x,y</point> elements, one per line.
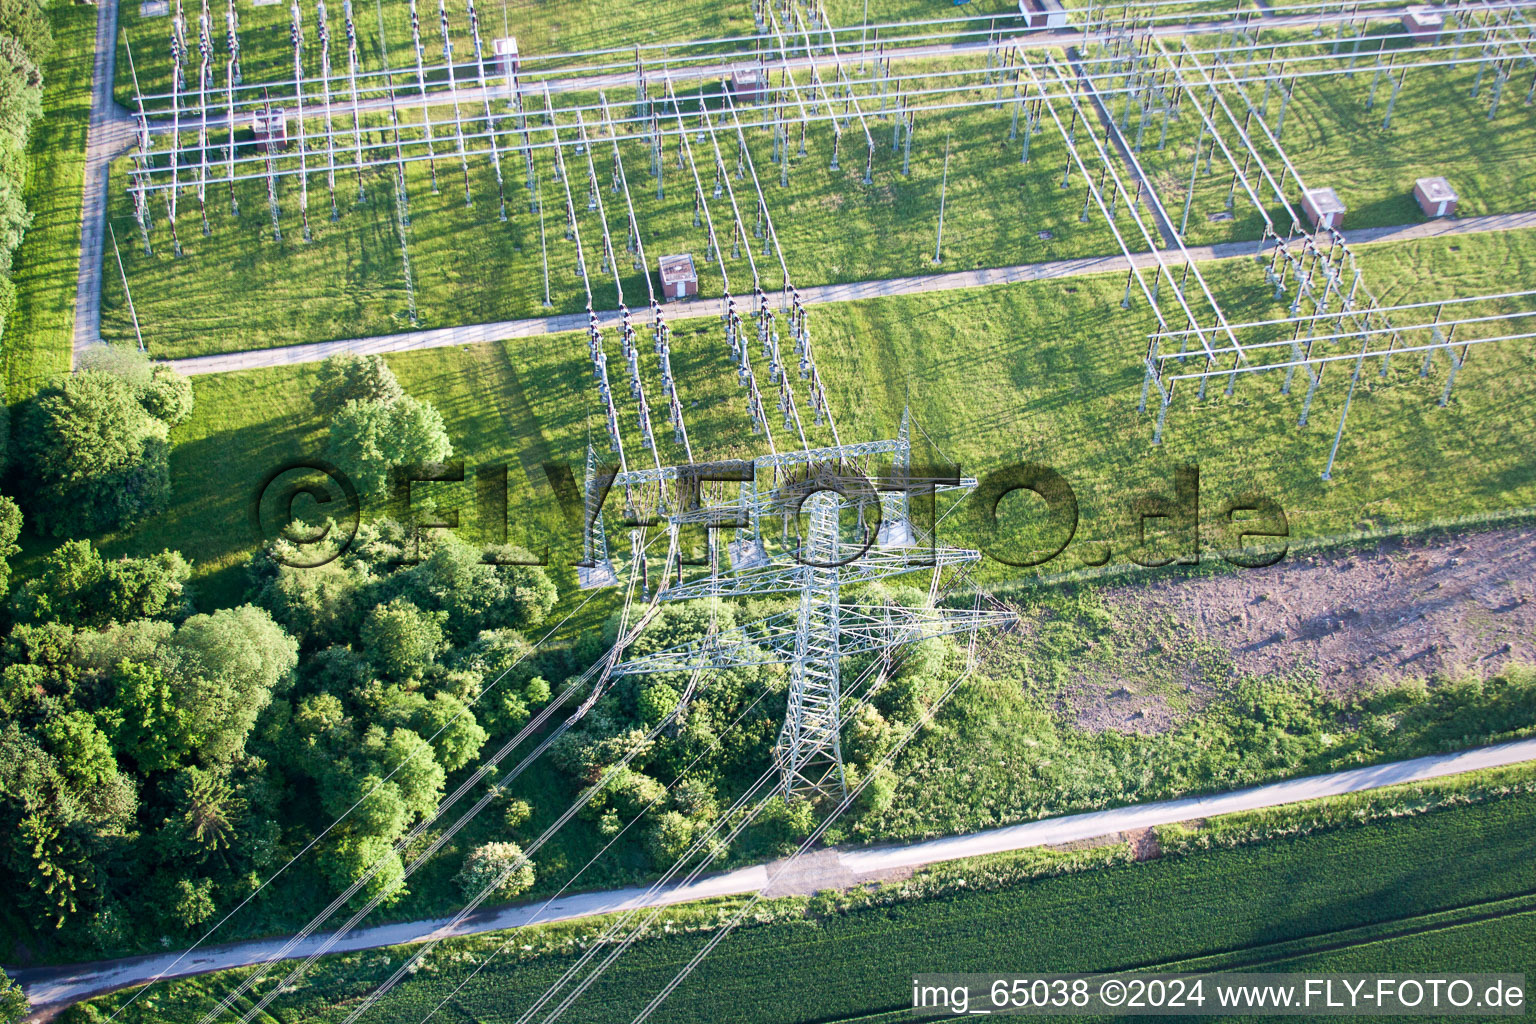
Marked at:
<point>1323,207</point>
<point>1436,197</point>
<point>1047,14</point>
<point>746,85</point>
<point>507,61</point>
<point>1423,22</point>
<point>679,279</point>
<point>271,127</point>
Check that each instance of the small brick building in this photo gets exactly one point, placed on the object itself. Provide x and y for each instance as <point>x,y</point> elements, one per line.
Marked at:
<point>1436,197</point>
<point>505,52</point>
<point>1323,207</point>
<point>1423,23</point>
<point>1044,14</point>
<point>270,126</point>
<point>679,279</point>
<point>747,85</point>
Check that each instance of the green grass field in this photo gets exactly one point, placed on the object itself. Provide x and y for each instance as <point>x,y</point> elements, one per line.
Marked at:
<point>1043,371</point>
<point>541,27</point>
<point>1437,128</point>
<point>39,333</point>
<point>1332,139</point>
<point>1142,10</point>
<point>240,289</point>
<point>1388,895</point>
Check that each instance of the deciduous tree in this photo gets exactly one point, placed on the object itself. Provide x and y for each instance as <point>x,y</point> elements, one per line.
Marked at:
<point>76,585</point>
<point>368,439</point>
<point>401,639</point>
<point>349,377</point>
<point>10,529</point>
<point>96,460</point>
<point>226,667</point>
<point>477,596</point>
<point>167,396</point>
<point>500,867</point>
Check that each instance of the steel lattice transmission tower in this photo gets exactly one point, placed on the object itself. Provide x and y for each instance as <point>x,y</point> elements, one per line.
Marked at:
<point>816,487</point>
<point>809,750</point>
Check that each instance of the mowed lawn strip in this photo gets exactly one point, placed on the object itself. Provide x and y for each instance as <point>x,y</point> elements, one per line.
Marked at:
<point>39,332</point>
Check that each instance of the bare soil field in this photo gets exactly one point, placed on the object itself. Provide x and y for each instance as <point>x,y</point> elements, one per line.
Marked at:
<point>1407,608</point>
<point>1437,608</point>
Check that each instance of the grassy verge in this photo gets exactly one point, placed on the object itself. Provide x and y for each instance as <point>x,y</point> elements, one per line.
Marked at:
<point>1416,882</point>
<point>39,333</point>
<point>1349,809</point>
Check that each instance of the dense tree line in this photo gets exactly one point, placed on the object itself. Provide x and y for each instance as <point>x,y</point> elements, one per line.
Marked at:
<point>394,654</point>
<point>112,690</point>
<point>157,760</point>
<point>93,447</point>
<point>25,42</point>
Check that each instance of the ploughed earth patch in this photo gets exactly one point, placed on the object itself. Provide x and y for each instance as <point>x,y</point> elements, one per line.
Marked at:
<point>1442,607</point>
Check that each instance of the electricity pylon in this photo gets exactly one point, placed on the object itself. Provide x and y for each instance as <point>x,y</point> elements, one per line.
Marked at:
<point>817,487</point>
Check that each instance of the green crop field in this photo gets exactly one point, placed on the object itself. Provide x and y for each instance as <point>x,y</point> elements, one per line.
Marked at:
<point>1419,947</point>
<point>1409,885</point>
<point>239,288</point>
